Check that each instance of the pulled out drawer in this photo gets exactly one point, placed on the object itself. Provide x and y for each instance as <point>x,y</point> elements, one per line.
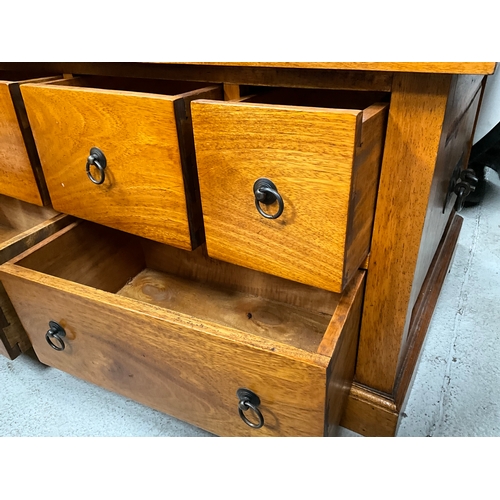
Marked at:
<point>119,152</point>
<point>22,225</point>
<point>288,181</point>
<point>231,350</point>
<point>21,176</point>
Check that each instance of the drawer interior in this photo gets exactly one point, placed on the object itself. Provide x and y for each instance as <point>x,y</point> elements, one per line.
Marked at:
<point>16,216</point>
<point>142,85</point>
<point>189,283</point>
<point>315,98</point>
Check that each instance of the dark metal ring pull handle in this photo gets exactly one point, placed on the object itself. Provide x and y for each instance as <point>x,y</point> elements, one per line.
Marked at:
<point>248,400</point>
<point>56,331</point>
<point>266,192</point>
<point>97,159</point>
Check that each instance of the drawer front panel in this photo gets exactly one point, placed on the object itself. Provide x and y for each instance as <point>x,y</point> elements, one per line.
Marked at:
<point>17,177</point>
<point>171,366</point>
<point>308,154</point>
<point>143,191</point>
<point>22,225</point>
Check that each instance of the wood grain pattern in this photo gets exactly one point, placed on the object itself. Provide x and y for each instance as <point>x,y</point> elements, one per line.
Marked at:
<point>308,153</point>
<point>34,224</point>
<point>258,316</point>
<point>364,189</point>
<point>17,177</point>
<point>342,352</point>
<point>483,68</point>
<point>198,266</point>
<point>97,256</point>
<point>416,116</point>
<point>168,366</point>
<point>167,351</point>
<point>454,148</point>
<point>144,188</point>
<point>369,413</point>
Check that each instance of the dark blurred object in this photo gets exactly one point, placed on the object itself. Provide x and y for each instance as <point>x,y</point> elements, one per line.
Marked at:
<point>485,153</point>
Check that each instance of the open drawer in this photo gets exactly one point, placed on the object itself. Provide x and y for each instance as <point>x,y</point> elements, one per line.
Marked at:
<point>22,225</point>
<point>21,176</point>
<point>288,181</point>
<point>182,333</point>
<point>119,152</point>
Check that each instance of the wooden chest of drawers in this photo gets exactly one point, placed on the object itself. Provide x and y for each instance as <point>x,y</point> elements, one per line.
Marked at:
<point>281,310</point>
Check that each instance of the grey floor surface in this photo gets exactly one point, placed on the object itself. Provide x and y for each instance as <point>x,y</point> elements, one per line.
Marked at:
<point>456,390</point>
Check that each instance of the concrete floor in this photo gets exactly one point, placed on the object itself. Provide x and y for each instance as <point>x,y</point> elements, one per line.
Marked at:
<point>456,390</point>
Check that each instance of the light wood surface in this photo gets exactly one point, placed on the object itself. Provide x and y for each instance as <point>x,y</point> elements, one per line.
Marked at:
<point>416,116</point>
<point>454,149</point>
<point>255,315</point>
<point>369,413</point>
<point>17,177</point>
<point>342,349</point>
<point>364,189</point>
<point>177,362</point>
<point>199,267</point>
<point>309,154</point>
<point>483,68</point>
<point>429,129</point>
<point>144,189</point>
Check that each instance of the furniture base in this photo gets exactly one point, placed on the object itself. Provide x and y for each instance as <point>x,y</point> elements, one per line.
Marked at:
<point>372,413</point>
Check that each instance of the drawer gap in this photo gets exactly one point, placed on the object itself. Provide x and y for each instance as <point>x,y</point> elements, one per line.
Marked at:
<point>315,98</point>
<point>19,76</point>
<point>143,85</point>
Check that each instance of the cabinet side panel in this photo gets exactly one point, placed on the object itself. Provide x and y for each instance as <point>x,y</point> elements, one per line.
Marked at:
<point>415,123</point>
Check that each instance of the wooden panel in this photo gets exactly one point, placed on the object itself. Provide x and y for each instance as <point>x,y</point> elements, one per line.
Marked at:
<point>454,148</point>
<point>364,188</point>
<point>483,68</point>
<point>231,92</point>
<point>144,190</point>
<point>416,117</point>
<point>255,315</point>
<point>279,77</point>
<point>22,216</point>
<point>18,179</point>
<point>88,254</point>
<point>308,154</point>
<point>370,414</point>
<point>343,356</point>
<point>174,367</point>
<point>424,307</point>
<point>13,338</point>
<point>197,266</point>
